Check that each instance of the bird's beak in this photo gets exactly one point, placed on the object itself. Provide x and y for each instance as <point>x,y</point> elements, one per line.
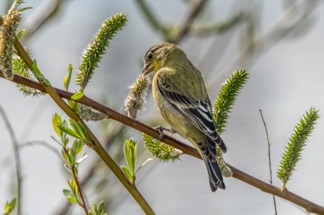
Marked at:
<point>147,69</point>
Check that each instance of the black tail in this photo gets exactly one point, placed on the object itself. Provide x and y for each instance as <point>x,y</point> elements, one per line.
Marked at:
<point>214,173</point>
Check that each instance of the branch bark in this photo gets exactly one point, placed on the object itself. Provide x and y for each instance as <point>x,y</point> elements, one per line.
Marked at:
<point>309,206</point>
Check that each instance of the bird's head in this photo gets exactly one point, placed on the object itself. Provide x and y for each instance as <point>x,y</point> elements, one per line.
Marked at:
<point>158,55</point>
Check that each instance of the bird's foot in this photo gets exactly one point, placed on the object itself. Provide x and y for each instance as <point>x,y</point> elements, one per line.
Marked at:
<point>160,129</point>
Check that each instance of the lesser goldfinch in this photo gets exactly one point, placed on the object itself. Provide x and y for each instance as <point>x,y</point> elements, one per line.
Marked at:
<point>180,94</point>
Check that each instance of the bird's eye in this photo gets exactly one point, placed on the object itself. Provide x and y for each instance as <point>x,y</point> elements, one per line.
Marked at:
<point>150,56</point>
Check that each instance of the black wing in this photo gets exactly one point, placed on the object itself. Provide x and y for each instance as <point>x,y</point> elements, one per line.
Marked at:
<point>198,111</point>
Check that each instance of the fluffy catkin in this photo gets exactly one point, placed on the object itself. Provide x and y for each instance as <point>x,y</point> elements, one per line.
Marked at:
<point>7,38</point>
<point>136,98</point>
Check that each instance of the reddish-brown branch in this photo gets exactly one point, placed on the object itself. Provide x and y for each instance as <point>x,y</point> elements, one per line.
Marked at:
<point>238,174</point>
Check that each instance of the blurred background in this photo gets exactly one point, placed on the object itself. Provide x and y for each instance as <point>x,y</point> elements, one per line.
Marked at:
<point>279,42</point>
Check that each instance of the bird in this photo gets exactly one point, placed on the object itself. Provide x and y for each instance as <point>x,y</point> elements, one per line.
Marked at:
<point>181,97</point>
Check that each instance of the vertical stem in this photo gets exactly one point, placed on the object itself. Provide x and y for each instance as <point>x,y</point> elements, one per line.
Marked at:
<point>269,157</point>
<point>83,205</point>
<point>16,157</point>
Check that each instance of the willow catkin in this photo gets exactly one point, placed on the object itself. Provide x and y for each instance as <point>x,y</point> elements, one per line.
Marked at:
<point>136,98</point>
<point>7,38</point>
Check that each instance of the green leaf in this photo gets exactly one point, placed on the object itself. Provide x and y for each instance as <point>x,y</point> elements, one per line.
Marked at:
<point>130,154</point>
<point>127,172</point>
<point>101,208</point>
<point>72,199</point>
<point>83,132</point>
<point>69,131</point>
<point>75,126</point>
<point>75,191</point>
<point>69,195</point>
<point>72,156</point>
<point>76,96</point>
<point>68,168</point>
<point>66,157</point>
<point>67,78</point>
<point>65,140</point>
<point>77,146</point>
<point>46,82</point>
<point>35,69</point>
<point>67,192</point>
<point>76,169</point>
<point>79,129</point>
<point>56,120</point>
<point>20,34</point>
<point>9,206</point>
<point>39,75</point>
<point>73,105</point>
<point>94,209</point>
<point>98,210</point>
<point>24,8</point>
<point>73,186</point>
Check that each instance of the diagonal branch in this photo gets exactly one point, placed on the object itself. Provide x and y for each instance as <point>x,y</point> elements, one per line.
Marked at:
<point>95,144</point>
<point>238,174</point>
<point>193,14</point>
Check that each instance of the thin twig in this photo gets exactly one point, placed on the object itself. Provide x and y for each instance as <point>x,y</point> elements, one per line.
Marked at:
<point>83,205</point>
<point>34,117</point>
<point>17,159</point>
<point>90,171</point>
<point>75,176</point>
<point>7,159</point>
<point>40,143</point>
<point>309,206</point>
<point>269,158</point>
<point>220,26</point>
<point>193,14</point>
<point>151,17</point>
<point>186,28</point>
<point>267,40</point>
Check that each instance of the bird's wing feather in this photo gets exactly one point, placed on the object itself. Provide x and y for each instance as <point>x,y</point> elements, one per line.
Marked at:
<point>198,111</point>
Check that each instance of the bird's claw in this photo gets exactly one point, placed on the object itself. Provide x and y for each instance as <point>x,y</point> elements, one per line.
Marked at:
<point>160,129</point>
